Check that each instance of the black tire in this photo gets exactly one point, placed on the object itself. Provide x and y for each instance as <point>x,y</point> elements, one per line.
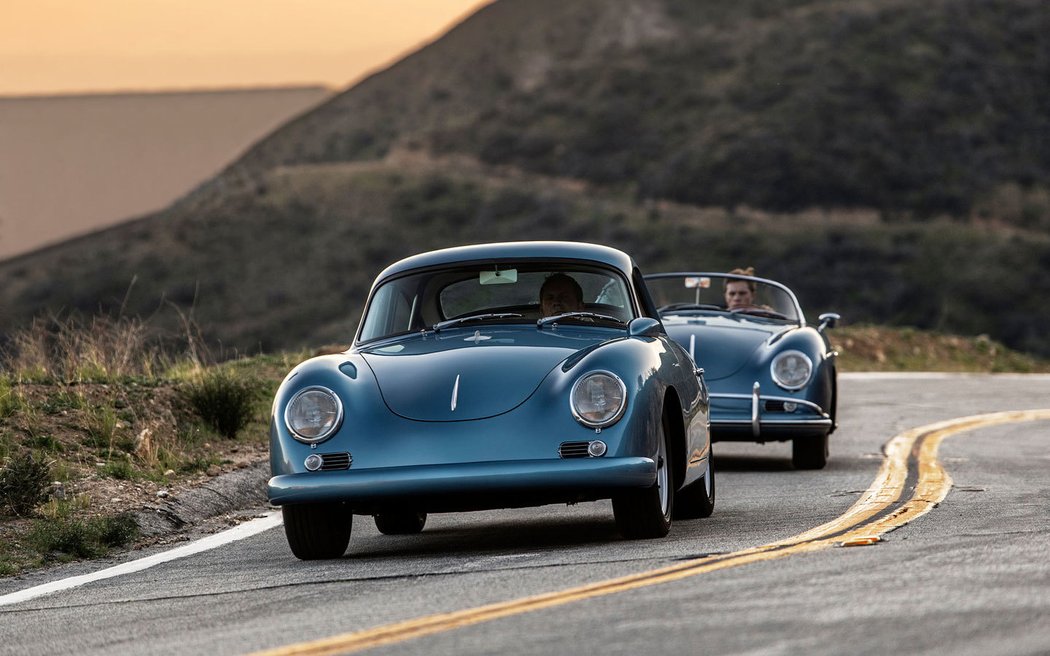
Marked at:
<point>400,523</point>
<point>317,531</point>
<point>810,452</point>
<point>646,513</point>
<point>697,500</point>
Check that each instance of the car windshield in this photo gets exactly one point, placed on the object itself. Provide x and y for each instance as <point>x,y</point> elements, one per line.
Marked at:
<point>713,293</point>
<point>515,292</point>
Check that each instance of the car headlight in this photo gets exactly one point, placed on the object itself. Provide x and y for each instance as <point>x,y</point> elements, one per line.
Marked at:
<point>791,369</point>
<point>598,399</point>
<point>314,414</point>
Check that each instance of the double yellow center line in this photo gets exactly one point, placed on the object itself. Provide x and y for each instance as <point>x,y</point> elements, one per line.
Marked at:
<point>865,522</point>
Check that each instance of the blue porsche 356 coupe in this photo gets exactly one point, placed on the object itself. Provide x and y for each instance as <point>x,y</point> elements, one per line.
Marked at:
<point>772,376</point>
<point>494,376</point>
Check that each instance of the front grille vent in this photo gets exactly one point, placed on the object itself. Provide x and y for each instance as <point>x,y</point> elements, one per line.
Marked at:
<point>775,406</point>
<point>335,461</point>
<point>573,450</point>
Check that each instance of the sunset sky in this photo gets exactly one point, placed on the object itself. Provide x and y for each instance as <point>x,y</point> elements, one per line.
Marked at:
<point>72,46</point>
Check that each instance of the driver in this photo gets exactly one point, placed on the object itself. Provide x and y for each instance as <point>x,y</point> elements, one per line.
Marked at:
<point>740,294</point>
<point>560,293</point>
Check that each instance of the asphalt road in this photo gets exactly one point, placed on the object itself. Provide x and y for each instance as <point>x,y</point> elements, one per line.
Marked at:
<point>972,576</point>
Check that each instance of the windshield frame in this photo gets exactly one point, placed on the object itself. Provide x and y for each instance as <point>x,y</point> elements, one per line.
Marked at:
<point>789,295</point>
<point>470,269</point>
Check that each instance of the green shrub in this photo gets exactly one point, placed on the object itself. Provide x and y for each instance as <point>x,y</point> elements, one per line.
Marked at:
<point>115,531</point>
<point>101,427</point>
<point>222,401</point>
<point>10,403</point>
<point>197,464</point>
<point>24,484</point>
<point>82,539</point>
<point>61,401</point>
<point>120,469</point>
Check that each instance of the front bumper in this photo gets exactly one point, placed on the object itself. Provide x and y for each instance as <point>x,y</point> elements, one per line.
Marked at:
<point>466,486</point>
<point>758,418</point>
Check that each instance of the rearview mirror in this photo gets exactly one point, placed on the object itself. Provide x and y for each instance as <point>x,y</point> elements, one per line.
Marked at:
<point>498,277</point>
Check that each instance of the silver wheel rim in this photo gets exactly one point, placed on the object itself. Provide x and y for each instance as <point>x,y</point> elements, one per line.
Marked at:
<point>661,473</point>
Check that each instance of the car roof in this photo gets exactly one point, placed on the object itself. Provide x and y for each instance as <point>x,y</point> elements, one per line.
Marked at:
<point>500,252</point>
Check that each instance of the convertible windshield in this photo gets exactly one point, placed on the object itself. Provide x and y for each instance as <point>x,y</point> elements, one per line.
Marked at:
<point>513,292</point>
<point>712,293</point>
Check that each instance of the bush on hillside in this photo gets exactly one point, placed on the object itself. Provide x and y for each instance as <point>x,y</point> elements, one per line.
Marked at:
<point>24,484</point>
<point>223,401</point>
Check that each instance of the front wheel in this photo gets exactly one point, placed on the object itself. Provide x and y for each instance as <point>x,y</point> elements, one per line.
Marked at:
<point>644,514</point>
<point>317,531</point>
<point>400,523</point>
<point>809,452</point>
<point>697,500</point>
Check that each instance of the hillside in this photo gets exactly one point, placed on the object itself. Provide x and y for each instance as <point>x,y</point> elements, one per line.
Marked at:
<point>887,160</point>
<point>927,108</point>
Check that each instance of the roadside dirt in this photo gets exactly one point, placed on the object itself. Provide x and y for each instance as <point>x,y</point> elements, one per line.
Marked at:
<point>128,449</point>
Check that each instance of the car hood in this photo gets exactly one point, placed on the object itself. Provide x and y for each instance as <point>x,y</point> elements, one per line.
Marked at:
<point>468,375</point>
<point>724,346</point>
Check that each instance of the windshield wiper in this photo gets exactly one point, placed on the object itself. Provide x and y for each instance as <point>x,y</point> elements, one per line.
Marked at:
<point>592,316</point>
<point>474,317</point>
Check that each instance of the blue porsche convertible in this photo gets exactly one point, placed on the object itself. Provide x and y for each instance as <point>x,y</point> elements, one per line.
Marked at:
<point>494,376</point>
<point>772,375</point>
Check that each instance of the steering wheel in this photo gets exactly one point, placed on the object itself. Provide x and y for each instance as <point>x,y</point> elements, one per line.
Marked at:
<point>758,312</point>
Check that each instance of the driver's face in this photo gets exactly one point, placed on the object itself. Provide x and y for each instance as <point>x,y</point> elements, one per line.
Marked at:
<point>738,294</point>
<point>559,296</point>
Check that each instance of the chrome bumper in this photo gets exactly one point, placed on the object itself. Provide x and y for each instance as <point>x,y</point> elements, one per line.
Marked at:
<point>806,415</point>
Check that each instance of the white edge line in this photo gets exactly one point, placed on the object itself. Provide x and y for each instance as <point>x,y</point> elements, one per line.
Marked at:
<point>934,375</point>
<point>239,532</point>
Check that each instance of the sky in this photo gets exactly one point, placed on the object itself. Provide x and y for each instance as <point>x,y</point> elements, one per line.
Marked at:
<point>90,46</point>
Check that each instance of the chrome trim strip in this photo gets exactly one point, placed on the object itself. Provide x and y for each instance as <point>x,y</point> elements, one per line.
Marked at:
<point>768,423</point>
<point>455,393</point>
<point>785,399</point>
<point>755,400</point>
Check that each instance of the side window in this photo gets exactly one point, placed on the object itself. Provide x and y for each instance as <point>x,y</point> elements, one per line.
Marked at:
<point>390,313</point>
<point>612,293</point>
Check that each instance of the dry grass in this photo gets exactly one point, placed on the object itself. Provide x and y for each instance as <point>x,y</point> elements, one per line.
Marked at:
<point>106,404</point>
<point>876,348</point>
<point>97,349</point>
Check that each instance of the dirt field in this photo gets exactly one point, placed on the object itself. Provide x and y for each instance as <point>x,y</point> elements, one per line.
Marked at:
<point>73,164</point>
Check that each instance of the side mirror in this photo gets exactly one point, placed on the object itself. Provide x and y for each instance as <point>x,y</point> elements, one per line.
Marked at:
<point>828,320</point>
<point>645,327</point>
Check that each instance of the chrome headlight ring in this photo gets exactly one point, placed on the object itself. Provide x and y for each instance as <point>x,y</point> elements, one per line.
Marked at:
<point>314,414</point>
<point>792,370</point>
<point>598,399</point>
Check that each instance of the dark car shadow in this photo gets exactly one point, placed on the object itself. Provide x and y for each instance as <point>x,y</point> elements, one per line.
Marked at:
<point>751,463</point>
<point>488,538</point>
